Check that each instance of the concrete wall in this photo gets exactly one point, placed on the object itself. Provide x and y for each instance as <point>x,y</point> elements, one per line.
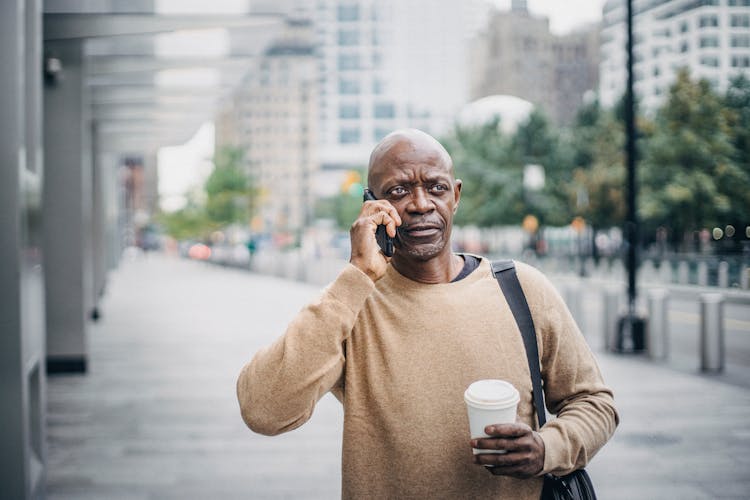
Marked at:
<point>22,370</point>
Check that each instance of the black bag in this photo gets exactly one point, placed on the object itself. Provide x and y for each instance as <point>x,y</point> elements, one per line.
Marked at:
<point>576,485</point>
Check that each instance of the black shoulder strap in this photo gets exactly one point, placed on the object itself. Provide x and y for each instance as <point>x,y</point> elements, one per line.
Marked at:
<point>505,274</point>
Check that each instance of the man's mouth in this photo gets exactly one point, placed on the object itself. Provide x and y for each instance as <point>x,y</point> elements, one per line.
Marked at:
<point>421,230</point>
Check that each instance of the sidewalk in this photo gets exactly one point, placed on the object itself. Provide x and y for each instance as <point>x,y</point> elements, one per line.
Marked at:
<point>156,417</point>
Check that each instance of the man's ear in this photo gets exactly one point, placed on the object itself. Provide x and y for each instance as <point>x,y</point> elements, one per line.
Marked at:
<point>457,193</point>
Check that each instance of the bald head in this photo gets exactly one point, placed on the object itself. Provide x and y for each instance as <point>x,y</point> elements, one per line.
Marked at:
<point>407,141</point>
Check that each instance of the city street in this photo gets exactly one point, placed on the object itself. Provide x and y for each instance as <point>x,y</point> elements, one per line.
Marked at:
<point>156,416</point>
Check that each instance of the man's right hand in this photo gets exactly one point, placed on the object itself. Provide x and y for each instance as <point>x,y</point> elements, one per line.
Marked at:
<point>366,254</point>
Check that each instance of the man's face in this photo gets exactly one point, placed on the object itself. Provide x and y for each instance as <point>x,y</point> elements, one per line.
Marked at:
<point>416,177</point>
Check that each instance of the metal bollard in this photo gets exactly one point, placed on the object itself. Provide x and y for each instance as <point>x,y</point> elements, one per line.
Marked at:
<point>683,273</point>
<point>702,274</point>
<point>657,338</point>
<point>572,296</point>
<point>723,274</point>
<point>712,332</point>
<point>745,278</point>
<point>665,272</point>
<point>611,313</point>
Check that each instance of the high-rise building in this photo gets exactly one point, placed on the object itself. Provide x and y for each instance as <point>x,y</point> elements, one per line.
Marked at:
<point>517,55</point>
<point>273,117</point>
<point>385,64</point>
<point>709,37</point>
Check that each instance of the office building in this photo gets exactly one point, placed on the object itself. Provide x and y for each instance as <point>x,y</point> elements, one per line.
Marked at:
<point>709,37</point>
<point>272,116</point>
<point>517,55</point>
<point>388,64</point>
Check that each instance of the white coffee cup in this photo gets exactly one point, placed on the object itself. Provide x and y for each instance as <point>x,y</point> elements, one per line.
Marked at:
<point>490,402</point>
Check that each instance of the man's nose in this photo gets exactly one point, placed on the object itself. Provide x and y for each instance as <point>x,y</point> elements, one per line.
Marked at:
<point>420,202</point>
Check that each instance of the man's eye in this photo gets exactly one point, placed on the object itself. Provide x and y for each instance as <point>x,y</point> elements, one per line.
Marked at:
<point>439,188</point>
<point>397,191</point>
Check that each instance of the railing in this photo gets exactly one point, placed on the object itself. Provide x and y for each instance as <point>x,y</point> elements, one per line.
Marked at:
<point>607,279</point>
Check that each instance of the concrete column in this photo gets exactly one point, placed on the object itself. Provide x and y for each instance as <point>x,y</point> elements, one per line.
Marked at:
<point>98,223</point>
<point>68,210</point>
<point>109,168</point>
<point>22,375</point>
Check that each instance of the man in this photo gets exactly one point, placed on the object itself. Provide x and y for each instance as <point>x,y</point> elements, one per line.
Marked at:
<point>398,340</point>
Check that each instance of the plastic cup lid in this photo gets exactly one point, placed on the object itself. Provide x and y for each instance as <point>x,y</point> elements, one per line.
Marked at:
<point>494,394</point>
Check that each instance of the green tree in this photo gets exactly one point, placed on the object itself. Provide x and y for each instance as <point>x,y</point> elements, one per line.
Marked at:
<point>230,197</point>
<point>688,176</point>
<point>492,164</point>
<point>596,188</point>
<point>189,222</point>
<point>737,101</point>
<point>536,142</point>
<point>486,161</point>
<point>344,206</point>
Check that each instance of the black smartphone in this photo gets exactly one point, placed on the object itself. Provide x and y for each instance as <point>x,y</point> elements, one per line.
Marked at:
<point>384,241</point>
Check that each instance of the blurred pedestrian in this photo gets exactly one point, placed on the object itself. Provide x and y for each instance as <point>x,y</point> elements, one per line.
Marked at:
<point>398,339</point>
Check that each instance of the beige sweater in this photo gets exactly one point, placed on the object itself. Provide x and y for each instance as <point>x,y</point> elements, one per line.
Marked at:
<point>399,354</point>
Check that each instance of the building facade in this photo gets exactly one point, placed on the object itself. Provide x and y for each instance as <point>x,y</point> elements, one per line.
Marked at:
<point>273,118</point>
<point>387,64</point>
<point>517,55</point>
<point>709,37</point>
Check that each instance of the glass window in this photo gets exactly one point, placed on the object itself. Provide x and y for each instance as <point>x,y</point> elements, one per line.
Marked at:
<point>385,110</point>
<point>347,12</point>
<point>740,21</point>
<point>740,41</point>
<point>349,111</point>
<point>348,61</point>
<point>349,135</point>
<point>739,3</point>
<point>708,21</point>
<point>684,47</point>
<point>741,61</point>
<point>348,86</point>
<point>378,86</point>
<point>684,27</point>
<point>348,37</point>
<point>709,41</point>
<point>711,61</point>
<point>380,132</point>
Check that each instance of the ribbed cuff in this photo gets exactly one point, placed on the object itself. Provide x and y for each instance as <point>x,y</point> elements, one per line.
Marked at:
<point>553,449</point>
<point>352,287</point>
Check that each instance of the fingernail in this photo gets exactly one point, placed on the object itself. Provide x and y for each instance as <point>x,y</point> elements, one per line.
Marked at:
<point>490,429</point>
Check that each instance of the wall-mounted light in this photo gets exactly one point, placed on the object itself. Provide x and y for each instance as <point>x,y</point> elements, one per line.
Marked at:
<point>52,70</point>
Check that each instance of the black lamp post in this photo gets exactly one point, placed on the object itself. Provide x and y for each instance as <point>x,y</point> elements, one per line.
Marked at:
<point>630,327</point>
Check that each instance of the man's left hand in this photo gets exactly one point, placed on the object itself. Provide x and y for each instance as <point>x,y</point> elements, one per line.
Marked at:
<point>524,448</point>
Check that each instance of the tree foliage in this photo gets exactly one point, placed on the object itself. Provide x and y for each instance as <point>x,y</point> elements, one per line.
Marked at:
<point>491,165</point>
<point>596,188</point>
<point>689,178</point>
<point>693,168</point>
<point>229,199</point>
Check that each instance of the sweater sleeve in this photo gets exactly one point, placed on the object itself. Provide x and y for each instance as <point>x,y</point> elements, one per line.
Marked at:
<point>573,386</point>
<point>278,389</point>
